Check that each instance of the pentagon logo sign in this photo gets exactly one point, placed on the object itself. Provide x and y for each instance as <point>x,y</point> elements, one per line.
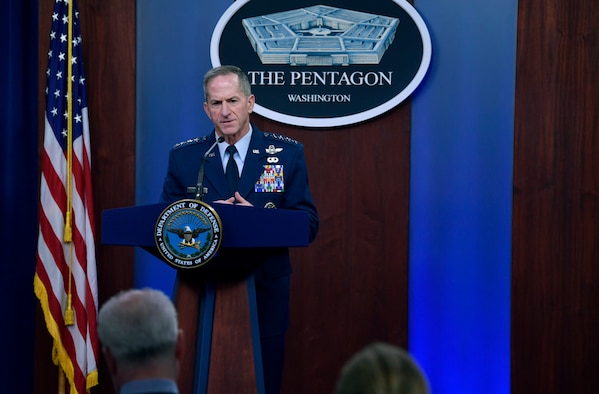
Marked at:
<point>324,65</point>
<point>188,233</point>
<point>320,35</point>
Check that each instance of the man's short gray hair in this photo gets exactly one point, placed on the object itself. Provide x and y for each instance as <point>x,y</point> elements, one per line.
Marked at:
<point>138,326</point>
<point>244,82</point>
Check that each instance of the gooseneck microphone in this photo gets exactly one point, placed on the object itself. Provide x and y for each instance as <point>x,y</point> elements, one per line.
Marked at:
<point>199,187</point>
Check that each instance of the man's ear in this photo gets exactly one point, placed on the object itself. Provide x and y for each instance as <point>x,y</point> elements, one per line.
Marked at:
<point>179,349</point>
<point>251,102</point>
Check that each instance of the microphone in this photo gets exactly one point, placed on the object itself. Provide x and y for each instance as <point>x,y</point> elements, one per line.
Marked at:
<point>199,187</point>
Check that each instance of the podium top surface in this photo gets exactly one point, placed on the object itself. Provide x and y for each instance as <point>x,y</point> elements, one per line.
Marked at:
<point>241,226</point>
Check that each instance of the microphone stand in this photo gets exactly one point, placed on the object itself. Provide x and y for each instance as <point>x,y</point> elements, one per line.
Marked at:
<point>199,184</point>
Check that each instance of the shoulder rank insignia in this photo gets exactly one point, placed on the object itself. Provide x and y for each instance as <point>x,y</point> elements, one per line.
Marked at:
<point>190,141</point>
<point>281,137</point>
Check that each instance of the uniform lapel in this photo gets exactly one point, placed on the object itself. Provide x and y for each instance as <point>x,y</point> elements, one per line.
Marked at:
<point>215,179</point>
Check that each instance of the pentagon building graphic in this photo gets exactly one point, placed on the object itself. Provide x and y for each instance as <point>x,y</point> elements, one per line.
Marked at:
<point>320,36</point>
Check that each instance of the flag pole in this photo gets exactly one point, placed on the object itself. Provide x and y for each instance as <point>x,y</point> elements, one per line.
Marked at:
<point>69,318</point>
<point>61,380</point>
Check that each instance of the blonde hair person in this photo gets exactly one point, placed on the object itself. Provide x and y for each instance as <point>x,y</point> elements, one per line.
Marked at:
<point>381,368</point>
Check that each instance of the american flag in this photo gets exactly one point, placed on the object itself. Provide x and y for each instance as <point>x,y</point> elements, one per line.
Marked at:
<point>65,278</point>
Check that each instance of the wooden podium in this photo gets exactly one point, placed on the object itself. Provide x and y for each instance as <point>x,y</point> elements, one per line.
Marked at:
<point>218,317</point>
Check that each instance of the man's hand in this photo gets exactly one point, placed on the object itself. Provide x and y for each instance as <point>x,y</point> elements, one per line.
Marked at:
<point>236,200</point>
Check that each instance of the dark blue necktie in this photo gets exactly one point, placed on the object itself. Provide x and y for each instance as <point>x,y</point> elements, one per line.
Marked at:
<point>232,172</point>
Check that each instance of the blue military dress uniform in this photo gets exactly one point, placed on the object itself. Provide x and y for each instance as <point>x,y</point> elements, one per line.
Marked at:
<point>274,176</point>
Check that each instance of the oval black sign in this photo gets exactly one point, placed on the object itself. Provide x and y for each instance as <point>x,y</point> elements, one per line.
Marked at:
<point>324,65</point>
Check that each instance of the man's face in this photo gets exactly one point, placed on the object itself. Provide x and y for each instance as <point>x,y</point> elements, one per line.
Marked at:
<point>228,108</point>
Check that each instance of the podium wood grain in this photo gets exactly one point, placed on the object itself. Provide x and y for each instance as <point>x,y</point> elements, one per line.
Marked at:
<point>232,359</point>
<point>231,367</point>
<point>187,302</point>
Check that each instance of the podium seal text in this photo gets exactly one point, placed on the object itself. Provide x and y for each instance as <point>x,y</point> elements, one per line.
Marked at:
<point>188,233</point>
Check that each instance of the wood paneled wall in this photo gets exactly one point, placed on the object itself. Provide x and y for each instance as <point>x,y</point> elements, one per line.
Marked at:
<point>555,279</point>
<point>350,287</point>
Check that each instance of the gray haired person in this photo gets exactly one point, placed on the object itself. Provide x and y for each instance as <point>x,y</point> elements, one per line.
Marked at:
<point>141,341</point>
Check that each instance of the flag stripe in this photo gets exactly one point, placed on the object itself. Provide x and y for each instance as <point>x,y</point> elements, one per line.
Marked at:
<point>55,251</point>
<point>67,268</point>
<point>53,262</point>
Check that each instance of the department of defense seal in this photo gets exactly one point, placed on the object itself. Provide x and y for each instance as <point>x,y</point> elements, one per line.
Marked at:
<point>188,233</point>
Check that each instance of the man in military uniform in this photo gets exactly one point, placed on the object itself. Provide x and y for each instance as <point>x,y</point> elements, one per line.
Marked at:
<point>266,170</point>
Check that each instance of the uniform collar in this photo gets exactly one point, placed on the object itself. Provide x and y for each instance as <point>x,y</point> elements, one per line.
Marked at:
<point>242,146</point>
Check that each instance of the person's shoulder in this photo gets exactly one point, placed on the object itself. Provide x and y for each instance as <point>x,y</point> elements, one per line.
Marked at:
<point>281,138</point>
<point>193,142</point>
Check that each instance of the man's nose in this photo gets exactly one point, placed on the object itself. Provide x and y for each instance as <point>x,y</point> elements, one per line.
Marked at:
<point>225,110</point>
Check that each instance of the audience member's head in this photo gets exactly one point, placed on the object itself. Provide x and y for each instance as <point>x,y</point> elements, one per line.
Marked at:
<point>381,368</point>
<point>140,336</point>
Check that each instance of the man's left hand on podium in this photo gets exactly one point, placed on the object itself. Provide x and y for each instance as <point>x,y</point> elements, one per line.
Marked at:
<point>236,200</point>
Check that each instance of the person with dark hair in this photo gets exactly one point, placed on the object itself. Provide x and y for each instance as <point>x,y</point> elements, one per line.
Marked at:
<point>141,342</point>
<point>248,167</point>
<point>381,368</point>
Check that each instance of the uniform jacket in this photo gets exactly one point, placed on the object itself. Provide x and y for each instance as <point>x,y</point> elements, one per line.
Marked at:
<point>270,266</point>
